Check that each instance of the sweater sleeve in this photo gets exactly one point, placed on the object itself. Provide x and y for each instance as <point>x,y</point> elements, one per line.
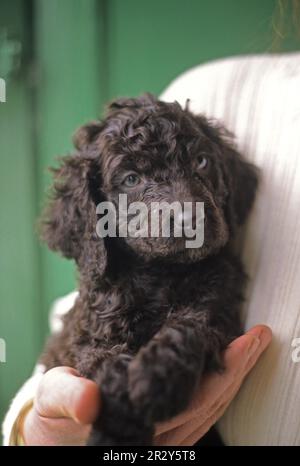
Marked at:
<point>27,392</point>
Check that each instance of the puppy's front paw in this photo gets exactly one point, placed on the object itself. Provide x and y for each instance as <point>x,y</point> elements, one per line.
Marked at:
<point>160,383</point>
<point>148,392</point>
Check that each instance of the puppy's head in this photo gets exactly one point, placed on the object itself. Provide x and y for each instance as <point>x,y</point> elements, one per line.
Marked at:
<point>151,152</point>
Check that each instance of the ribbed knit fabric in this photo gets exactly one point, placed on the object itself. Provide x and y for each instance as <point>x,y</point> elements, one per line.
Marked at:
<point>258,99</point>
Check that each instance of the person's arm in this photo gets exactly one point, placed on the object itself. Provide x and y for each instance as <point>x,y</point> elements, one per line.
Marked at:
<point>25,396</point>
<point>66,404</point>
<point>19,406</point>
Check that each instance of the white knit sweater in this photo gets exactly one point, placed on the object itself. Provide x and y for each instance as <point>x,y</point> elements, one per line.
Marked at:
<point>258,99</point>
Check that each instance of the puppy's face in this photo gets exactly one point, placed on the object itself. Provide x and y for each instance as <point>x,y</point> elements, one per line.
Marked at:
<point>158,153</point>
<point>155,152</point>
<point>161,156</point>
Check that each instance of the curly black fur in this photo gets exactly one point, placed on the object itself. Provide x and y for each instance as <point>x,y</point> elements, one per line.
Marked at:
<point>152,316</point>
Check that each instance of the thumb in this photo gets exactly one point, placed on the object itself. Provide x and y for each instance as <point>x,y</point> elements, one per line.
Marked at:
<point>63,393</point>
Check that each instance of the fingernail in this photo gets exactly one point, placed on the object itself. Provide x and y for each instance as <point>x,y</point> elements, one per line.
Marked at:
<point>253,345</point>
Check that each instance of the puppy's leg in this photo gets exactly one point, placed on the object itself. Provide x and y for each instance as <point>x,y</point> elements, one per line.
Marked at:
<point>118,423</point>
<point>164,374</point>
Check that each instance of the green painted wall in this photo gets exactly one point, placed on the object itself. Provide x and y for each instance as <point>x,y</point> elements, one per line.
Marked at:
<point>69,57</point>
<point>20,317</point>
<point>150,43</point>
<point>76,54</point>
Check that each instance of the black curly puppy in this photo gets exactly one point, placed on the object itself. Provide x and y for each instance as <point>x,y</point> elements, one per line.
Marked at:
<point>152,316</point>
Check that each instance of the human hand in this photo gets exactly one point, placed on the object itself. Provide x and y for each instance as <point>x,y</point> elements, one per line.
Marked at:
<point>64,408</point>
<point>216,392</point>
<point>66,404</point>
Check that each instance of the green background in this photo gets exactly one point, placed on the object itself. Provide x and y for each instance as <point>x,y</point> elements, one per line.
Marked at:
<point>62,59</point>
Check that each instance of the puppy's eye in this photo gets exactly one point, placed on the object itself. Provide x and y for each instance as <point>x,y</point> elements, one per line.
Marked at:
<point>131,180</point>
<point>202,162</point>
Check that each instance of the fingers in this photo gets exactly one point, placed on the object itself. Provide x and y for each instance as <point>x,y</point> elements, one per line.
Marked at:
<point>239,358</point>
<point>196,434</point>
<point>63,393</point>
<point>265,337</point>
<point>192,431</point>
<point>65,406</point>
<point>46,431</point>
<point>246,348</point>
<point>187,434</point>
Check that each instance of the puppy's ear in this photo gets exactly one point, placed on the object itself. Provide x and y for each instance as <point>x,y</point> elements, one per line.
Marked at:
<point>242,181</point>
<point>68,224</point>
<point>86,135</point>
